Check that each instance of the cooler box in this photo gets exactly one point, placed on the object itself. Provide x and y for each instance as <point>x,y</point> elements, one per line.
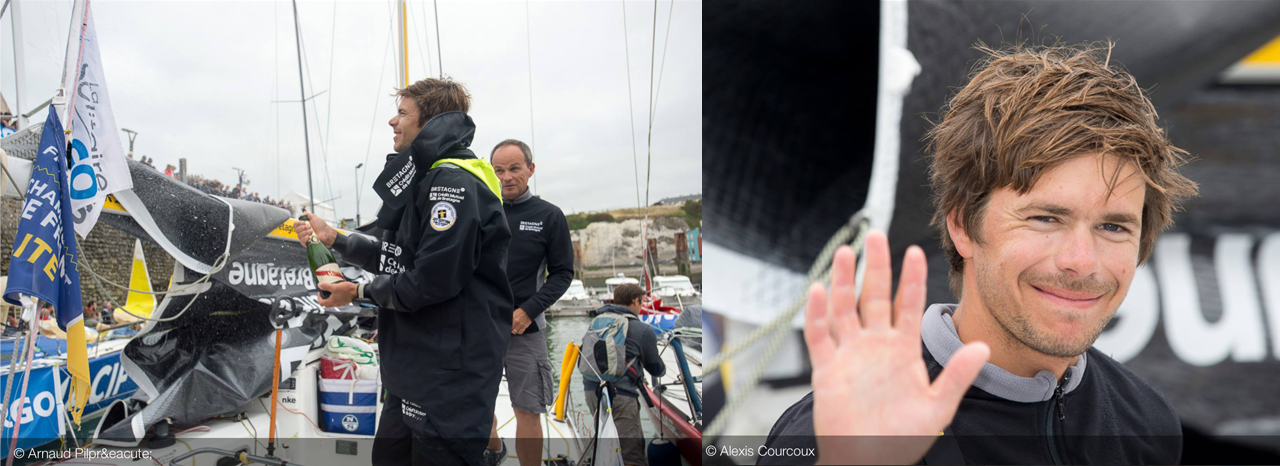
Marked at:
<point>349,406</point>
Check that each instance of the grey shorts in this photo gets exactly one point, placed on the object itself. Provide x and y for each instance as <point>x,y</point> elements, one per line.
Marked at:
<point>529,379</point>
<point>626,417</point>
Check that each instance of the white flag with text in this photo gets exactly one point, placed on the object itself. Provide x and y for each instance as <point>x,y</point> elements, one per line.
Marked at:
<point>98,160</point>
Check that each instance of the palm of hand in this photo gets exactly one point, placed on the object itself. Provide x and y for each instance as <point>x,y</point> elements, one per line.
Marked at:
<point>885,372</point>
<point>873,401</point>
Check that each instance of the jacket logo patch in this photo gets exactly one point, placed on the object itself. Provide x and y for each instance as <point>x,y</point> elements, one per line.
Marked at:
<point>401,179</point>
<point>530,226</point>
<point>443,215</point>
<point>445,193</point>
<point>389,264</point>
<point>412,410</point>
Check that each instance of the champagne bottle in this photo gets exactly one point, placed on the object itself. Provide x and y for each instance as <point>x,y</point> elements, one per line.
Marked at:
<point>323,266</point>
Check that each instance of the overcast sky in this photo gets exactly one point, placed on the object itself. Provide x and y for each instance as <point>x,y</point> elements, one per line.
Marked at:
<point>197,80</point>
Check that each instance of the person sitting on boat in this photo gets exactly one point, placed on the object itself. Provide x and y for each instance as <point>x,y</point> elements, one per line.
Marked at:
<point>106,315</point>
<point>12,326</point>
<point>1052,181</point>
<point>540,266</point>
<point>642,352</point>
<point>91,316</point>
<point>441,286</point>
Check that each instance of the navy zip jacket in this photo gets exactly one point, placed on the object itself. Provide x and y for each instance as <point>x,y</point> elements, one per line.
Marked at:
<point>444,303</point>
<point>540,250</point>
<point>1103,415</point>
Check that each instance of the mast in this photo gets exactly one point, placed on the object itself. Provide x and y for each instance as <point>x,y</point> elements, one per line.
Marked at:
<point>403,28</point>
<point>439,55</point>
<point>19,66</point>
<point>297,34</point>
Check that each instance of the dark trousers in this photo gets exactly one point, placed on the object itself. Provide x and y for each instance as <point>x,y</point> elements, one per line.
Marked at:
<point>397,443</point>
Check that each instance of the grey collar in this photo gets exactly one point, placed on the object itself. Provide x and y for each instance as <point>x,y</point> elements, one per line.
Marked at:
<point>528,194</point>
<point>941,339</point>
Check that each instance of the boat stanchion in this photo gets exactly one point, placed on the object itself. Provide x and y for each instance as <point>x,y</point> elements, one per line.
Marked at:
<point>280,315</point>
<point>275,395</point>
<point>163,438</point>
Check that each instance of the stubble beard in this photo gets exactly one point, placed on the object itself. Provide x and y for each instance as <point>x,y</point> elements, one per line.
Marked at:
<point>1015,325</point>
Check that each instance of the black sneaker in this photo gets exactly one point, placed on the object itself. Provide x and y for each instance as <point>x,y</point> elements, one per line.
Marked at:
<point>495,458</point>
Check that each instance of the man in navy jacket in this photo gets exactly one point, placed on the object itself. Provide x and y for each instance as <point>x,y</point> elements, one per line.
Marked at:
<point>1052,181</point>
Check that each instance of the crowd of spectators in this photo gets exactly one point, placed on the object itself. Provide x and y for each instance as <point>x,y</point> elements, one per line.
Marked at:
<point>217,188</point>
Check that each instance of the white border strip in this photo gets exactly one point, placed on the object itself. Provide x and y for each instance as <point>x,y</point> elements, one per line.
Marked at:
<point>898,67</point>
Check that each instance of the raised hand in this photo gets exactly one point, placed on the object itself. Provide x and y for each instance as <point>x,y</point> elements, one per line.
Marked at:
<point>873,402</point>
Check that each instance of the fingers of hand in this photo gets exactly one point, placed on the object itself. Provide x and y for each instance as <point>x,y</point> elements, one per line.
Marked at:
<point>909,304</point>
<point>817,334</point>
<point>842,305</point>
<point>304,232</point>
<point>877,282</point>
<point>958,375</point>
<point>842,313</point>
<point>843,267</point>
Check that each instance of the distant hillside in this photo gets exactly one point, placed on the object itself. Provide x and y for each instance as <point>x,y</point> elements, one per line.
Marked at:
<point>690,211</point>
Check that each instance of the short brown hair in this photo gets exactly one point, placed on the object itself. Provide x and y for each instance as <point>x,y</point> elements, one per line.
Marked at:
<point>1027,109</point>
<point>626,293</point>
<point>435,96</point>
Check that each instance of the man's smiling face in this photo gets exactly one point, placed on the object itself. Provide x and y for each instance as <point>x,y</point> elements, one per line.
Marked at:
<point>1054,264</point>
<point>405,125</point>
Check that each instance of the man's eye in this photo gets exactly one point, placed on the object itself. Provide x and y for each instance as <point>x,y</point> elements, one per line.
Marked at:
<point>1044,218</point>
<point>1111,227</point>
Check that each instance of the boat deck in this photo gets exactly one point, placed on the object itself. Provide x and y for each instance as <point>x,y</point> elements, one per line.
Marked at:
<point>301,441</point>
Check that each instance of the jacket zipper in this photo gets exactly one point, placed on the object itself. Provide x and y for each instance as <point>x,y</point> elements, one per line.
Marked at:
<point>1057,401</point>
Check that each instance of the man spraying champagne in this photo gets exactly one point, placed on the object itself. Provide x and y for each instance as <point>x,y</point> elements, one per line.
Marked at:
<point>441,286</point>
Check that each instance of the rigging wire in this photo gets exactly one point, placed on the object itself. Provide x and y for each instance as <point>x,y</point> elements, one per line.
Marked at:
<point>324,149</point>
<point>648,170</point>
<point>528,42</point>
<point>631,109</point>
<point>663,66</point>
<point>416,39</point>
<point>439,54</point>
<point>328,118</point>
<point>377,99</point>
<point>431,70</point>
<point>302,86</point>
<point>275,95</point>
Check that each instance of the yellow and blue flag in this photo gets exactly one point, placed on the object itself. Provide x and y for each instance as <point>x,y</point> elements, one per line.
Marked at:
<point>44,254</point>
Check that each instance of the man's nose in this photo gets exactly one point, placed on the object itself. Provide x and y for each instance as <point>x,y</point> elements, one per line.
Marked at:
<point>1078,251</point>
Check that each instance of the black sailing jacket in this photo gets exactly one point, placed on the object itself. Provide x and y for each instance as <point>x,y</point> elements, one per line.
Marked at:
<point>441,287</point>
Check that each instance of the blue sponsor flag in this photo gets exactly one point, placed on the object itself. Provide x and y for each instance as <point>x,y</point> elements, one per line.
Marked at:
<point>44,253</point>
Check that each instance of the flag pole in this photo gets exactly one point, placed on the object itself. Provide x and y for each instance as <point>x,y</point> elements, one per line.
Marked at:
<point>75,72</point>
